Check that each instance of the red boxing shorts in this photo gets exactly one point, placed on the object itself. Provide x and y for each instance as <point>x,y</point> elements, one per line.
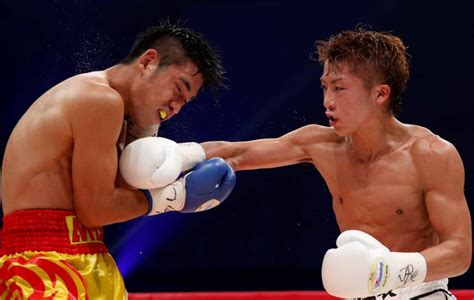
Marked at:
<point>48,254</point>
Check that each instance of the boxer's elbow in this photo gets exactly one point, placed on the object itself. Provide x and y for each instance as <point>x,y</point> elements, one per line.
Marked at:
<point>467,264</point>
<point>88,212</point>
<point>88,221</point>
<point>465,258</point>
<point>461,252</point>
<point>89,218</point>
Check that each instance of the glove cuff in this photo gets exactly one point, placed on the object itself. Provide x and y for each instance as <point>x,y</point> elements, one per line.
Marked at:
<point>168,198</point>
<point>149,198</point>
<point>192,153</point>
<point>412,268</point>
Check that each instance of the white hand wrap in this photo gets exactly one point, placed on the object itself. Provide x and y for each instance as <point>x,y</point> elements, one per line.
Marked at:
<point>361,267</point>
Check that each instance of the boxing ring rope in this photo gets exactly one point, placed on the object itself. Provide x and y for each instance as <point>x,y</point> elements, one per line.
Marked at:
<point>258,295</point>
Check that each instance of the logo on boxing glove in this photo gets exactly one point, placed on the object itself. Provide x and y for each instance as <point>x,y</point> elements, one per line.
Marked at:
<point>378,275</point>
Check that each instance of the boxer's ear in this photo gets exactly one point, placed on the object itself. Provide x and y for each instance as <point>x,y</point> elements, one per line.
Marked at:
<point>382,93</point>
<point>150,59</point>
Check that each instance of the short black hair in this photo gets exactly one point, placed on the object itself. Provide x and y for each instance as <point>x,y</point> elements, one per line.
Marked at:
<point>176,45</point>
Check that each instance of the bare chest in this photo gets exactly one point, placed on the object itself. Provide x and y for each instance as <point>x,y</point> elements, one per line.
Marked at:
<point>386,193</point>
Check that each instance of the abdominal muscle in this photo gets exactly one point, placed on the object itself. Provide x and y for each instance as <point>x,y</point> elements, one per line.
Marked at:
<point>401,228</point>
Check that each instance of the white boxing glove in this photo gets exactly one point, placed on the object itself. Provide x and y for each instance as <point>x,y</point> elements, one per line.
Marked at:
<point>362,267</point>
<point>154,162</point>
<point>150,162</point>
<point>191,153</point>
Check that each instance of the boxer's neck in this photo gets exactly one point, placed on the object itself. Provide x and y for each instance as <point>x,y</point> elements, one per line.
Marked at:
<point>375,139</point>
<point>120,79</point>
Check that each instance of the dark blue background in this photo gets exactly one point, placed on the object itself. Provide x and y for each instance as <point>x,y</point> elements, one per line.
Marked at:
<point>271,234</point>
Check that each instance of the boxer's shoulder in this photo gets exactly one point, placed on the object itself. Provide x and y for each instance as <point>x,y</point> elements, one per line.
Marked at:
<point>91,93</point>
<point>432,154</point>
<point>91,87</point>
<point>88,99</point>
<point>424,142</point>
<point>316,134</point>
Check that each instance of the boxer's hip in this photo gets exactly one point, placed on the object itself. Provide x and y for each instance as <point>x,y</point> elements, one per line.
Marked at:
<point>432,290</point>
<point>48,253</point>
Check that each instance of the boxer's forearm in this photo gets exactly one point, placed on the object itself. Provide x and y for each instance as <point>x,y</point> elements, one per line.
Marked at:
<point>256,154</point>
<point>118,206</point>
<point>448,259</point>
<point>219,149</point>
<point>236,154</point>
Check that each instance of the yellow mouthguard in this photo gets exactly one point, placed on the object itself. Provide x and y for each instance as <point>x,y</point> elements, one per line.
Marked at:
<point>163,114</point>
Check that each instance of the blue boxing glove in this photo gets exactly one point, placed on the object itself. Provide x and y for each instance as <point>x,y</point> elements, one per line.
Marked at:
<point>206,186</point>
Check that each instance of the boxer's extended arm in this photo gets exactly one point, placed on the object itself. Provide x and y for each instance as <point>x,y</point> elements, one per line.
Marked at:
<point>442,172</point>
<point>265,153</point>
<point>96,119</point>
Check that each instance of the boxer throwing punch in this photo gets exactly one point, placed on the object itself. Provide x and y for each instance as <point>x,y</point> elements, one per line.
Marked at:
<point>60,182</point>
<point>397,189</point>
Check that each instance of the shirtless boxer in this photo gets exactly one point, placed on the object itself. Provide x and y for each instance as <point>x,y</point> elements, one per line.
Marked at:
<point>395,187</point>
<point>61,161</point>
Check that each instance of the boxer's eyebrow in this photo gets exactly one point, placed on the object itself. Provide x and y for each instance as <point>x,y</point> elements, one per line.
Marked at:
<point>332,81</point>
<point>186,83</point>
